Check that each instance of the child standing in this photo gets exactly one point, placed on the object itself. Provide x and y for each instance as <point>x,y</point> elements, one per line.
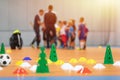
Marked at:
<point>71,35</point>
<point>82,33</point>
<point>62,36</point>
<point>57,26</point>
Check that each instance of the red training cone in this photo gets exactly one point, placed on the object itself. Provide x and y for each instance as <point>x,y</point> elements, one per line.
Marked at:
<point>84,71</point>
<point>20,71</point>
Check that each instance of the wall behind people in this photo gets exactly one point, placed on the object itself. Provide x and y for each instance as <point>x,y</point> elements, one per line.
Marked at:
<point>101,16</point>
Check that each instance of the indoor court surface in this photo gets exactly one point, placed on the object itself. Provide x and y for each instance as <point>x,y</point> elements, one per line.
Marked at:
<point>56,73</point>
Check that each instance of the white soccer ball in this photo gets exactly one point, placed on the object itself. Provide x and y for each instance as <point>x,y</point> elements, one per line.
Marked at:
<point>5,60</point>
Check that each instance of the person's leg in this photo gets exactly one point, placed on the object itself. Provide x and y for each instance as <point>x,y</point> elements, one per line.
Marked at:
<point>45,43</point>
<point>61,44</point>
<point>60,41</point>
<point>71,44</point>
<point>33,41</point>
<point>56,41</point>
<point>38,39</point>
<point>82,43</point>
<point>79,45</point>
<point>52,36</point>
<point>44,38</point>
<point>85,43</point>
<point>65,43</point>
<point>48,37</point>
<point>52,41</point>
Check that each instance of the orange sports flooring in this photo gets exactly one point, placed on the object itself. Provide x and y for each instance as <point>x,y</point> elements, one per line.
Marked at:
<point>63,54</point>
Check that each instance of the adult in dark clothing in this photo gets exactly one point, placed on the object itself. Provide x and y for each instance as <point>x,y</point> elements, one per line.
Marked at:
<point>37,22</point>
<point>50,20</point>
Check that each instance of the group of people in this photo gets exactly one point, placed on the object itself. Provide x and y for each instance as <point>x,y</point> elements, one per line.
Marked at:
<point>62,34</point>
<point>47,22</point>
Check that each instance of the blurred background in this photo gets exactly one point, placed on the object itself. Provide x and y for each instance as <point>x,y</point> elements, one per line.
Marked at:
<point>101,16</point>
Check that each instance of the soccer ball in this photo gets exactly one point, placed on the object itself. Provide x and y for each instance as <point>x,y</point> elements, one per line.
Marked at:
<point>5,60</point>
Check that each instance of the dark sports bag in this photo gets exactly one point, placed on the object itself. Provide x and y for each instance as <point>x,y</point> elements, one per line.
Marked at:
<point>16,41</point>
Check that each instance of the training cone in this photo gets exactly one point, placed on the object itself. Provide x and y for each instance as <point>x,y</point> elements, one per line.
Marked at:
<point>108,59</point>
<point>27,58</point>
<point>49,61</point>
<point>73,60</point>
<point>20,71</point>
<point>84,71</point>
<point>59,62</point>
<point>82,60</point>
<point>91,61</point>
<point>2,50</point>
<point>53,55</point>
<point>42,66</point>
<point>18,63</point>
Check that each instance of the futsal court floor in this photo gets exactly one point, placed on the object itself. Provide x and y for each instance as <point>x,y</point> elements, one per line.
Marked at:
<point>56,73</point>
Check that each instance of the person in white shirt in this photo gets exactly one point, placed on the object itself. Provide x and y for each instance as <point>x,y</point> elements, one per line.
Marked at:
<point>62,36</point>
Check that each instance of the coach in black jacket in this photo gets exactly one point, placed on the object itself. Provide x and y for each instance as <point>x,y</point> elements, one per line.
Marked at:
<point>50,20</point>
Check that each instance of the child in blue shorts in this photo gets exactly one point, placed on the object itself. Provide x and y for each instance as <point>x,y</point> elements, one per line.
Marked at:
<point>71,35</point>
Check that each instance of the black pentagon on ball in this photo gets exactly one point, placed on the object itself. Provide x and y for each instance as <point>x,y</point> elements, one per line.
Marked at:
<point>8,57</point>
<point>1,57</point>
<point>4,62</point>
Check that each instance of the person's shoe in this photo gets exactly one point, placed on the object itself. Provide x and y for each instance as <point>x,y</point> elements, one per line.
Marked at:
<point>72,48</point>
<point>32,45</point>
<point>38,47</point>
<point>60,47</point>
<point>69,47</point>
<point>82,49</point>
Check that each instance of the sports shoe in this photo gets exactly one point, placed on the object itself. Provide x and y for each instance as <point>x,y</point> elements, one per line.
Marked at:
<point>38,47</point>
<point>32,45</point>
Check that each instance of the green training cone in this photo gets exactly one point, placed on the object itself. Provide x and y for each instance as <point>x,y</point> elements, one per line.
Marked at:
<point>53,54</point>
<point>2,50</point>
<point>108,59</point>
<point>42,66</point>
